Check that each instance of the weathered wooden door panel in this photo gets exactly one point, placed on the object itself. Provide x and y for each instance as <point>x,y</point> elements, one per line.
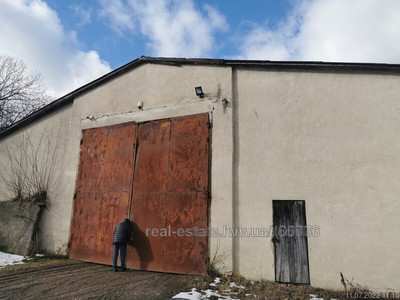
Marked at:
<point>290,240</point>
<point>103,190</point>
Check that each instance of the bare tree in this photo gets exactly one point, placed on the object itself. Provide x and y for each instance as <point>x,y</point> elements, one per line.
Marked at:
<point>31,170</point>
<point>21,91</point>
<point>31,166</point>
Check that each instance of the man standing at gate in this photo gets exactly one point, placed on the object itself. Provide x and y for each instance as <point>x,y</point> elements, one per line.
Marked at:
<point>122,235</point>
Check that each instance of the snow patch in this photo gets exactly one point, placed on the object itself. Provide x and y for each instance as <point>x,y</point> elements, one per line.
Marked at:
<point>7,259</point>
<point>209,293</point>
<point>193,295</point>
<point>315,297</point>
<point>234,285</point>
<point>216,282</point>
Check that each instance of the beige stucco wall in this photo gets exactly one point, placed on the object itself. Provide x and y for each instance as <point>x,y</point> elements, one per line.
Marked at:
<point>168,91</point>
<point>45,144</point>
<point>331,140</point>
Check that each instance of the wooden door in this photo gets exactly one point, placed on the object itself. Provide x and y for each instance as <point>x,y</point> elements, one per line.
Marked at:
<point>290,240</point>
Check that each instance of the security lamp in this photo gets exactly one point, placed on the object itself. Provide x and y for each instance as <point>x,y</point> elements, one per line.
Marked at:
<point>199,91</point>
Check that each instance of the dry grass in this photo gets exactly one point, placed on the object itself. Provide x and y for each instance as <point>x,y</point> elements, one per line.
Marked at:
<point>248,289</point>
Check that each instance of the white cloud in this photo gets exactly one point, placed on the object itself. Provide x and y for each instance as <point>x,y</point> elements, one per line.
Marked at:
<point>172,27</point>
<point>360,30</point>
<point>33,32</point>
<point>340,30</point>
<point>265,44</point>
<point>118,14</point>
<point>84,13</point>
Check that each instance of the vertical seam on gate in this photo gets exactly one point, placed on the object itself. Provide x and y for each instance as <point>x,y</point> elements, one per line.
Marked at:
<point>135,147</point>
<point>209,149</point>
<point>171,122</point>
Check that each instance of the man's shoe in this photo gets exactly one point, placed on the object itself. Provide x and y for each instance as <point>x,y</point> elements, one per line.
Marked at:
<point>123,269</point>
<point>115,270</point>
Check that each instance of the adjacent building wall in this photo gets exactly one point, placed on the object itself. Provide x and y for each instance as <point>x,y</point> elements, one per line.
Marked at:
<point>333,141</point>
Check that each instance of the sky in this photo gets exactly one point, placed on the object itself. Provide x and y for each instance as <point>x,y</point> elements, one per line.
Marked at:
<point>72,42</point>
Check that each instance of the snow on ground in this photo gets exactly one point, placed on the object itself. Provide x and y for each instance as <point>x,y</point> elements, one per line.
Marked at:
<point>10,259</point>
<point>195,295</point>
<point>216,282</point>
<point>221,294</point>
<point>234,285</point>
<point>212,294</point>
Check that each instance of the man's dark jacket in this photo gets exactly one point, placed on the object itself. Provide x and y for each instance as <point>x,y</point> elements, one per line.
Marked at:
<point>123,232</point>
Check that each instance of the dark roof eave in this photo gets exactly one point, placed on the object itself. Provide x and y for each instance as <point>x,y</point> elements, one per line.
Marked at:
<point>67,99</point>
<point>247,64</point>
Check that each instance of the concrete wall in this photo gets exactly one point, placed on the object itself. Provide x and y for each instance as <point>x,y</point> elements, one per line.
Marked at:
<point>331,140</point>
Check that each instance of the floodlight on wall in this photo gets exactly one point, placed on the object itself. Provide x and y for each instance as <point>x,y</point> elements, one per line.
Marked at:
<point>199,91</point>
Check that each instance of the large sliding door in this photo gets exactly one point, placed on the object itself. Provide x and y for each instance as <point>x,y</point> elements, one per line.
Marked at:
<point>103,190</point>
<point>155,173</point>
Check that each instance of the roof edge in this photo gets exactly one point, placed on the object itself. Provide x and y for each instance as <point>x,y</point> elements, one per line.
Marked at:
<point>383,68</point>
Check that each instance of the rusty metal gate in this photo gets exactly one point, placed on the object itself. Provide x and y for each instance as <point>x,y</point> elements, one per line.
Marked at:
<point>103,190</point>
<point>155,173</point>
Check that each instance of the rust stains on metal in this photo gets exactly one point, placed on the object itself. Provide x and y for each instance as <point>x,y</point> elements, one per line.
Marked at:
<point>166,192</point>
<point>189,154</point>
<point>185,251</point>
<point>169,203</point>
<point>151,170</point>
<point>103,191</point>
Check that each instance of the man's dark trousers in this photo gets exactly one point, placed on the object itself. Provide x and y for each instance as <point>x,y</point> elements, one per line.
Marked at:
<point>122,250</point>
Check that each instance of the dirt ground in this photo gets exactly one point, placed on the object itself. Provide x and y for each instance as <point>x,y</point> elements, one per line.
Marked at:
<point>50,278</point>
<point>68,279</point>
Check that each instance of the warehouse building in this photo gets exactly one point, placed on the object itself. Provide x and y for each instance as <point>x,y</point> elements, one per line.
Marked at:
<point>284,171</point>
